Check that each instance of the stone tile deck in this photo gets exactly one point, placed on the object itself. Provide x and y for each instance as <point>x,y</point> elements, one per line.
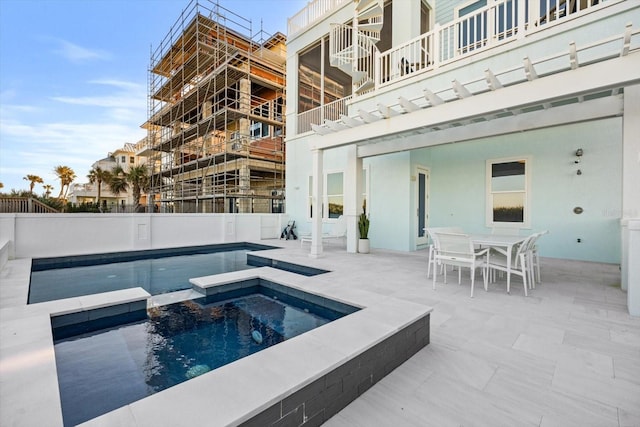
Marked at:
<point>567,355</point>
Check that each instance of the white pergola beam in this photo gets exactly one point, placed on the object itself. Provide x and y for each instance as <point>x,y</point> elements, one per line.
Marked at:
<point>320,130</point>
<point>492,80</point>
<point>529,70</point>
<point>573,56</point>
<point>610,74</point>
<point>433,98</point>
<point>626,44</point>
<point>386,111</point>
<point>368,117</point>
<point>408,106</point>
<point>350,121</point>
<point>571,113</point>
<point>336,126</point>
<point>460,90</point>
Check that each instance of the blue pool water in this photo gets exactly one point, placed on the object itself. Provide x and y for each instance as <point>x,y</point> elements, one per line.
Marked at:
<point>157,271</point>
<point>155,276</point>
<point>103,370</point>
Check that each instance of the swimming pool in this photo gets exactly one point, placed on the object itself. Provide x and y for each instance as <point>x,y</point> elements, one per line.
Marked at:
<point>156,271</point>
<point>99,371</point>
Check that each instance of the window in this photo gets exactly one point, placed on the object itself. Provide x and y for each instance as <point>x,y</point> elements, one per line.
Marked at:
<point>335,194</point>
<point>508,191</point>
<point>314,87</point>
<point>123,159</point>
<point>481,23</point>
<point>333,199</point>
<point>310,199</point>
<point>259,130</point>
<point>132,159</point>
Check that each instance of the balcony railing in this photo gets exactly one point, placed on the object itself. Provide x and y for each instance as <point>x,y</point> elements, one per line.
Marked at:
<point>330,111</point>
<point>24,205</point>
<point>313,12</point>
<point>495,24</point>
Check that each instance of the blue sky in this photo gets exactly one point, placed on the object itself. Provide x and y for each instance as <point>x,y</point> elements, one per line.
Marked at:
<point>73,77</point>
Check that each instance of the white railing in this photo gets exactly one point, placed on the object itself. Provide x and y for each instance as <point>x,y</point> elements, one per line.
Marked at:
<point>24,205</point>
<point>313,12</point>
<point>318,115</point>
<point>497,23</point>
<point>410,57</point>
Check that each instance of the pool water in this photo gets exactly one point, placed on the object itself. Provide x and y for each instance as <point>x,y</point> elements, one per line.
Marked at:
<point>103,370</point>
<point>155,275</point>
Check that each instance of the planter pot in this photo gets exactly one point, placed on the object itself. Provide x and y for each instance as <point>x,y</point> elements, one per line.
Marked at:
<point>363,246</point>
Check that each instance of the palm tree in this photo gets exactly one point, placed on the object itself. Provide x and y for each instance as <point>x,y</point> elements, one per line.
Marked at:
<point>136,177</point>
<point>33,180</point>
<point>99,175</point>
<point>47,190</point>
<point>66,175</point>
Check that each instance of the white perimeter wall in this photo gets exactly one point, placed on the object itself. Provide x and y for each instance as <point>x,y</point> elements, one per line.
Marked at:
<point>47,235</point>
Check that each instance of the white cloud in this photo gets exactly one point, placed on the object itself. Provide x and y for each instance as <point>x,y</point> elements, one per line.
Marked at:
<point>131,98</point>
<point>35,143</point>
<point>76,53</point>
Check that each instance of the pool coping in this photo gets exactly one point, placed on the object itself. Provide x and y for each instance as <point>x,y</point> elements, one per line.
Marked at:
<point>234,393</point>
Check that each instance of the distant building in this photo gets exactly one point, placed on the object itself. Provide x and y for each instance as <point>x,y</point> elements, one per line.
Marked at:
<point>125,158</point>
<point>216,115</point>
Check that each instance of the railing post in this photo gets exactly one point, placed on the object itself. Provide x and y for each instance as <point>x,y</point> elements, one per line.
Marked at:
<point>522,9</point>
<point>376,69</point>
<point>490,22</point>
<point>435,51</point>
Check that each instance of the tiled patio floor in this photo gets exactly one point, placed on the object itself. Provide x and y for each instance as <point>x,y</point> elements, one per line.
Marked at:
<point>567,355</point>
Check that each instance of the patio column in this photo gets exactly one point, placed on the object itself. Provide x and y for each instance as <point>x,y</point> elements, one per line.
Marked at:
<point>631,153</point>
<point>352,196</point>
<point>316,201</point>
<point>630,266</point>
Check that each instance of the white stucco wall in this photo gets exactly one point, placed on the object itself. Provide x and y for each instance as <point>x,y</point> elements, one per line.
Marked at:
<point>458,186</point>
<point>48,235</point>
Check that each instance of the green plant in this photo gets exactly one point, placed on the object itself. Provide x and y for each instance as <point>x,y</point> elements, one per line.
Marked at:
<point>363,222</point>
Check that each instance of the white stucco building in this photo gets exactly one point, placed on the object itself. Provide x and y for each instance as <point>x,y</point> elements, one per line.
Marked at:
<point>470,113</point>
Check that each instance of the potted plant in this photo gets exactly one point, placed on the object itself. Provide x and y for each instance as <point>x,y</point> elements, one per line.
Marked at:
<point>363,227</point>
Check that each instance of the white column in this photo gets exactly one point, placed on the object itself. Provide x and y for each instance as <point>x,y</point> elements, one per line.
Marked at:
<point>352,196</point>
<point>406,16</point>
<point>630,264</point>
<point>292,93</point>
<point>316,221</point>
<point>631,153</point>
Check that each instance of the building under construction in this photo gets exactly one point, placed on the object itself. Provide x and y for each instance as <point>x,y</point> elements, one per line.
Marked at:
<point>216,115</point>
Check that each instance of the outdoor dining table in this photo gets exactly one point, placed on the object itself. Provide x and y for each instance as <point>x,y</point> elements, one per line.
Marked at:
<point>500,242</point>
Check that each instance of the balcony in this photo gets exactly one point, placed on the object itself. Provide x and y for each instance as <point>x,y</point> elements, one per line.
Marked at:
<point>497,24</point>
<point>312,13</point>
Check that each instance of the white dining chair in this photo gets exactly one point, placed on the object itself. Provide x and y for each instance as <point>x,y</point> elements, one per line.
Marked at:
<point>535,256</point>
<point>431,231</point>
<point>520,264</point>
<point>457,250</point>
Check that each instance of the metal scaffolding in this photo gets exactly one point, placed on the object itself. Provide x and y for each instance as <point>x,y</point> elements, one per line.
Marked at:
<point>216,115</point>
